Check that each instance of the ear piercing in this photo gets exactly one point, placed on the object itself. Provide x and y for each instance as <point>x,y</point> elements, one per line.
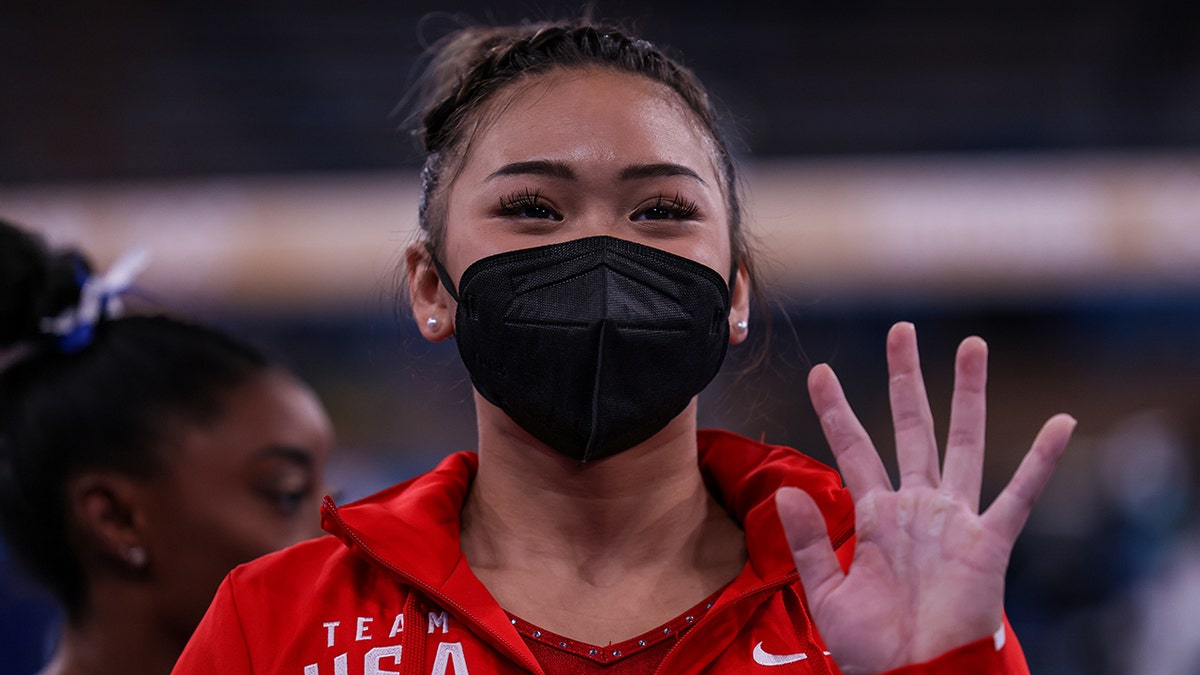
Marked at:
<point>432,323</point>
<point>742,326</point>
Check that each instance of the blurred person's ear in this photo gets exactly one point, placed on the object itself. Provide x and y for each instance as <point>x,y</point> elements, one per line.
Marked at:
<point>431,304</point>
<point>108,511</point>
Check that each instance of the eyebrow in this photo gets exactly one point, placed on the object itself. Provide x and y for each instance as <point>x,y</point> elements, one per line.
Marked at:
<point>535,167</point>
<point>552,169</point>
<point>288,452</point>
<point>659,170</point>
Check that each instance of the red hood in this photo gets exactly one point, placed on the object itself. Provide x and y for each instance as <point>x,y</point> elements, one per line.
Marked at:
<point>413,527</point>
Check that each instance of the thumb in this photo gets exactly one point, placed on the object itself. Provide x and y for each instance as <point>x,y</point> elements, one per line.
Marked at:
<point>808,540</point>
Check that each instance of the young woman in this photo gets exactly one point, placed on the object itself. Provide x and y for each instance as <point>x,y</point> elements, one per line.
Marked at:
<point>584,247</point>
<point>141,459</point>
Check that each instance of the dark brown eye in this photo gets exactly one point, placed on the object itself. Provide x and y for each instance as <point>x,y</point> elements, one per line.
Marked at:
<point>286,490</point>
<point>527,204</point>
<point>664,208</point>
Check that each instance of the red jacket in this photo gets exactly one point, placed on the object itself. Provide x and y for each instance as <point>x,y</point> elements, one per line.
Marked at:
<point>392,594</point>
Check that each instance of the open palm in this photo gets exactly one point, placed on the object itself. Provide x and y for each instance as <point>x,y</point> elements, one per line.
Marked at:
<point>928,568</point>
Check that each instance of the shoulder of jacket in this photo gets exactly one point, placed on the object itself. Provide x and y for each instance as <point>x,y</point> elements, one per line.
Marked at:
<point>311,556</point>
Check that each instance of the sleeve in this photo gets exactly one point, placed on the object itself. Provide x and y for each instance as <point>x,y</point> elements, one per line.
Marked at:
<point>218,647</point>
<point>999,654</point>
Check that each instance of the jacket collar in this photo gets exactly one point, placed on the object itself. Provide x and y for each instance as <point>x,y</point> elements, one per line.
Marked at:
<point>743,476</point>
<point>413,528</point>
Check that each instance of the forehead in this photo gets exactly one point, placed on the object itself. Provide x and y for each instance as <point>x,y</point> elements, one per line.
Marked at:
<point>268,409</point>
<point>591,115</point>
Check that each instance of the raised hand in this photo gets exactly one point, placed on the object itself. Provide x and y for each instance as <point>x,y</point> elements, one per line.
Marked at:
<point>928,569</point>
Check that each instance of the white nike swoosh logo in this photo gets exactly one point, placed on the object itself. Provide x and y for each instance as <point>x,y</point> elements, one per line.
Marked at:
<point>762,658</point>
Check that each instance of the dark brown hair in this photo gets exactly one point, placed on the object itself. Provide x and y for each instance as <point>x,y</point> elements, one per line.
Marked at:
<point>468,67</point>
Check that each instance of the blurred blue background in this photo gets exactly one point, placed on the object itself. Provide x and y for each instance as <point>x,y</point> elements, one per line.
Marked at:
<point>1027,172</point>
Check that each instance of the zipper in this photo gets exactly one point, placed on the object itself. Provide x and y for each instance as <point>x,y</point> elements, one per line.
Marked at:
<point>843,535</point>
<point>428,589</point>
<point>783,581</point>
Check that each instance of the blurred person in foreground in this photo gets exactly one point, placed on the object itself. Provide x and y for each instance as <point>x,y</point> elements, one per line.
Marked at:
<point>584,247</point>
<point>141,458</point>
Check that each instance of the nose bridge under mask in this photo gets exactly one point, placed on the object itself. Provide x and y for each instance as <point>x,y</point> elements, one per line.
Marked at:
<point>586,290</point>
<point>452,288</point>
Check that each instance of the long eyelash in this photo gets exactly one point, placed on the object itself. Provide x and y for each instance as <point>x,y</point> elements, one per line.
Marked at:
<point>682,207</point>
<point>524,199</point>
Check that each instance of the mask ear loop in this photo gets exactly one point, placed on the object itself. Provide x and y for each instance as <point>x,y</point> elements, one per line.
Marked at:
<point>733,274</point>
<point>733,277</point>
<point>442,273</point>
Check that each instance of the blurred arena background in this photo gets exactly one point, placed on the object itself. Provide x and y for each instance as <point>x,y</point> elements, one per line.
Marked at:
<point>1028,172</point>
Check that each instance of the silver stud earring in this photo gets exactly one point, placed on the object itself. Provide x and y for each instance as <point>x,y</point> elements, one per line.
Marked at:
<point>742,325</point>
<point>432,323</point>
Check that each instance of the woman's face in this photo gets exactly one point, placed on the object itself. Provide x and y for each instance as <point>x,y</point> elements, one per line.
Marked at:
<point>578,153</point>
<point>247,484</point>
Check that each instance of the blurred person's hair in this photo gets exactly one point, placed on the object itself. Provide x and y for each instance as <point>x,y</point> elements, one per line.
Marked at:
<point>107,406</point>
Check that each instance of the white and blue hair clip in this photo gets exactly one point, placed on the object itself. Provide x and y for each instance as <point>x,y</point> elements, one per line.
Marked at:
<point>99,298</point>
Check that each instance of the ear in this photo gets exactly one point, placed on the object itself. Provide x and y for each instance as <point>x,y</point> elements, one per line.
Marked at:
<point>110,511</point>
<point>432,306</point>
<point>739,312</point>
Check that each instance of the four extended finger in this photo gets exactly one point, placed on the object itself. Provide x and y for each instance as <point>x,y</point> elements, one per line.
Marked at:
<point>916,443</point>
<point>963,473</point>
<point>856,456</point>
<point>1007,515</point>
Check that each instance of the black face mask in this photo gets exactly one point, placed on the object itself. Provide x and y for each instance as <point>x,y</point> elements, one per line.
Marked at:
<point>592,345</point>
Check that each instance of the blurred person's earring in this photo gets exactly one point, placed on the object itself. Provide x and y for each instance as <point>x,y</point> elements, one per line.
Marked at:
<point>135,556</point>
<point>432,323</point>
<point>742,326</point>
